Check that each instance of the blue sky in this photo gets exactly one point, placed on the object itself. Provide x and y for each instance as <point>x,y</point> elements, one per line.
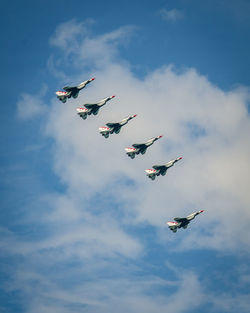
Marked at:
<point>82,228</point>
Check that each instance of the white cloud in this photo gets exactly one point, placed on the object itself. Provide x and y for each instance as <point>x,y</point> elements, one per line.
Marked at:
<point>101,49</point>
<point>171,15</point>
<point>214,172</point>
<point>231,303</point>
<point>206,125</point>
<point>80,46</point>
<point>106,192</point>
<point>29,106</point>
<point>107,293</point>
<point>67,34</point>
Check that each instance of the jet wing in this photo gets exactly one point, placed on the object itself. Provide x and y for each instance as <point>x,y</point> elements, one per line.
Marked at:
<point>158,167</point>
<point>139,145</point>
<point>162,169</point>
<point>173,228</point>
<point>180,219</point>
<point>93,108</point>
<point>68,88</point>
<point>73,91</point>
<point>113,125</point>
<point>62,98</point>
<point>90,105</point>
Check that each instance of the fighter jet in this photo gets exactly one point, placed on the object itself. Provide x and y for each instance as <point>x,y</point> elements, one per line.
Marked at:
<point>92,108</point>
<point>72,91</point>
<point>182,222</point>
<point>160,169</point>
<point>140,147</point>
<point>114,127</point>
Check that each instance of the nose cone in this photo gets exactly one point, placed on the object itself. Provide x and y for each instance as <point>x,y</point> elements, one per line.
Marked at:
<point>178,159</point>
<point>93,78</point>
<point>112,97</point>
<point>201,211</point>
<point>134,115</point>
<point>158,137</point>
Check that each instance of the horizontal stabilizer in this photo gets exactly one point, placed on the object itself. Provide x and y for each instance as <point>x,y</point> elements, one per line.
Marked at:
<point>61,93</point>
<point>104,129</point>
<point>150,171</point>
<point>130,149</point>
<point>172,223</point>
<point>82,110</point>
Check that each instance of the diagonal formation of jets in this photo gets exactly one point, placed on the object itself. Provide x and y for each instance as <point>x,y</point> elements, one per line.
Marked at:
<point>137,148</point>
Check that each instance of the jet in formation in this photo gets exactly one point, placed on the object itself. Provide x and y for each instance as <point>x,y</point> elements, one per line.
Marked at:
<point>72,91</point>
<point>92,108</point>
<point>137,148</point>
<point>140,148</point>
<point>182,222</point>
<point>111,128</point>
<point>160,169</point>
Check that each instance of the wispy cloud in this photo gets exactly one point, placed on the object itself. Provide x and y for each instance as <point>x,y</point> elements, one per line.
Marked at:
<point>114,285</point>
<point>29,106</point>
<point>172,15</point>
<point>69,34</point>
<point>80,46</point>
